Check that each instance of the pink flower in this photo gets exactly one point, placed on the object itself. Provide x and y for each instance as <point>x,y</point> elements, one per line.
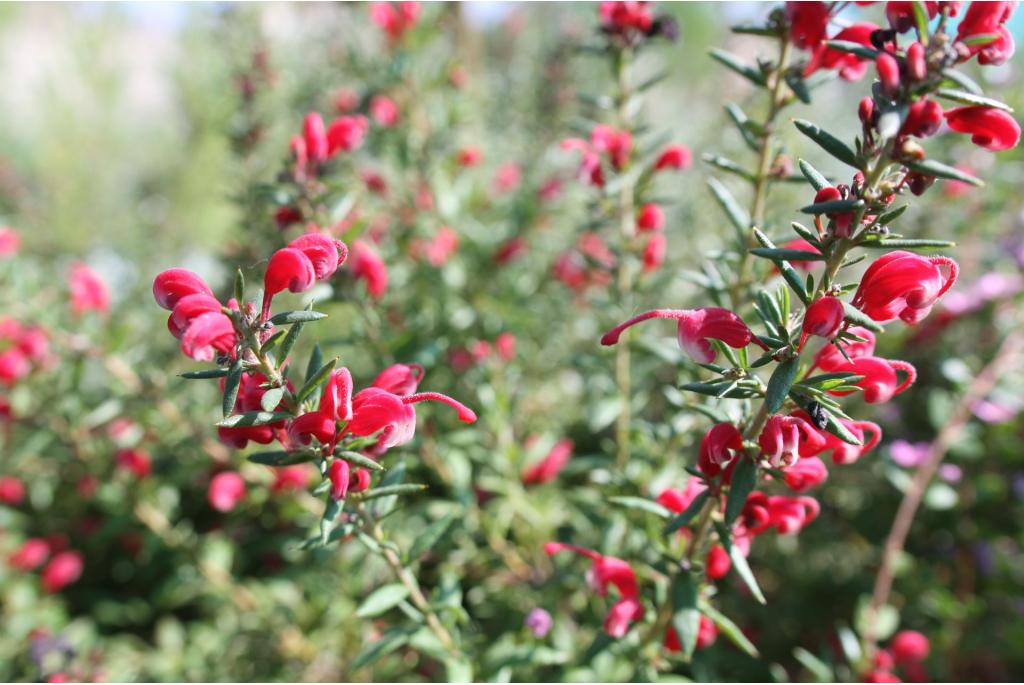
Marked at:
<point>829,358</point>
<point>823,318</point>
<point>338,473</point>
<point>548,468</point>
<point>625,16</point>
<point>443,245</point>
<point>604,572</point>
<point>505,344</point>
<point>14,366</point>
<point>314,136</point>
<point>31,555</point>
<point>10,242</point>
<point>226,490</point>
<point>707,633</point>
<point>173,284</point>
<point>900,14</point>
<point>990,128</point>
<point>720,445</point>
<point>696,328</point>
<point>399,379</point>
<point>367,265</point>
<point>507,178</point>
<point>718,563</point>
<point>784,437</point>
<point>654,252</point>
<point>616,144</point>
<point>135,461</point>
<point>336,398</point>
<point>384,111</point>
<point>924,118</point>
<point>207,334</point>
<point>909,646</point>
<point>808,22</point>
<point>783,513</point>
<point>291,477</point>
<point>880,381</point>
<point>12,491</point>
<point>676,500</point>
<point>375,410</point>
<point>470,156</point>
<point>987,18</point>
<point>89,292</point>
<point>806,474</point>
<point>63,570</point>
<point>674,157</point>
<point>843,452</point>
<point>346,133</point>
<point>903,285</point>
<point>650,218</point>
<point>850,66</point>
<point>888,73</point>
<point>395,18</point>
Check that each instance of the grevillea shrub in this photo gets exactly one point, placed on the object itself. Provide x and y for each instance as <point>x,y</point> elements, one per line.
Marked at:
<point>548,342</point>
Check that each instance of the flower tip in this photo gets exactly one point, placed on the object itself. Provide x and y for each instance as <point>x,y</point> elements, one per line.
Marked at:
<point>610,338</point>
<point>467,415</point>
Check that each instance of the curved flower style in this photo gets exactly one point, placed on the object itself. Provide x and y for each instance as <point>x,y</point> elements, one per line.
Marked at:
<point>990,128</point>
<point>607,571</point>
<point>676,156</point>
<point>719,447</point>
<point>904,285</point>
<point>548,468</point>
<point>696,328</point>
<point>784,438</point>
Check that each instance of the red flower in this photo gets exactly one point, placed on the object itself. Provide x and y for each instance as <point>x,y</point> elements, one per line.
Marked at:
<point>206,334</point>
<point>470,156</point>
<point>720,445</point>
<point>984,18</point>
<point>374,409</point>
<point>706,636</point>
<point>676,500</point>
<point>548,468</point>
<point>808,22</point>
<point>615,144</point>
<point>830,358</point>
<point>291,477</point>
<point>696,328</point>
<point>650,218</point>
<point>399,379</point>
<point>823,318</point>
<point>784,438</point>
<point>442,246</point>
<point>368,266</point>
<point>395,18</point>
<point>917,69</point>
<point>783,513</point>
<point>173,284</point>
<point>63,570</point>
<point>924,118</point>
<point>89,292</point>
<point>909,647</point>
<point>605,572</point>
<point>850,66</point>
<point>888,73</point>
<point>880,382</point>
<point>843,452</point>
<point>226,490</point>
<point>990,128</point>
<point>338,473</point>
<point>384,111</point>
<point>133,460</point>
<point>718,563</point>
<point>12,491</point>
<point>346,133</point>
<point>336,398</point>
<point>31,555</point>
<point>674,157</point>
<point>806,474</point>
<point>505,344</point>
<point>314,137</point>
<point>654,252</point>
<point>878,676</point>
<point>901,14</point>
<point>624,17</point>
<point>903,285</point>
<point>509,251</point>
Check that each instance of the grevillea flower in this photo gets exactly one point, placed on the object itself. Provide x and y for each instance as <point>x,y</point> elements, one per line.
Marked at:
<point>314,136</point>
<point>338,473</point>
<point>505,345</point>
<point>783,513</point>
<point>135,461</point>
<point>888,73</point>
<point>850,67</point>
<point>399,379</point>
<point>924,118</point>
<point>880,381</point>
<point>843,452</point>
<point>720,445</point>
<point>990,128</point>
<point>829,358</point>
<point>707,633</point>
<point>10,241</point>
<point>676,500</point>
<point>208,334</point>
<point>823,318</point>
<point>917,68</point>
<point>548,468</point>
<point>843,220</point>
<point>900,14</point>
<point>384,111</point>
<point>226,490</point>
<point>470,156</point>
<point>63,570</point>
<point>654,252</point>
<point>609,571</point>
<point>988,18</point>
<point>31,555</point>
<point>909,647</point>
<point>718,563</point>
<point>173,284</point>
<point>294,477</point>
<point>903,285</point>
<point>378,411</point>
<point>650,218</point>
<point>696,328</point>
<point>251,389</point>
<point>806,474</point>
<point>346,133</point>
<point>89,292</point>
<point>674,157</point>
<point>782,437</point>
<point>395,18</point>
<point>12,491</point>
<point>367,265</point>
<point>624,17</point>
<point>808,22</point>
<point>441,247</point>
<point>336,399</point>
<point>308,258</point>
<point>614,143</point>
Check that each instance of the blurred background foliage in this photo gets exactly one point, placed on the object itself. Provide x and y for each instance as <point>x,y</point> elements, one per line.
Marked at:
<point>128,144</point>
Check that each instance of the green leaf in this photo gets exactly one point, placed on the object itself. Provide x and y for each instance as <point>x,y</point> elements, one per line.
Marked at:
<point>388,490</point>
<point>380,600</point>
<point>315,381</point>
<point>726,164</point>
<point>231,385</point>
<point>766,31</point>
<point>744,479</point>
<point>774,253</point>
<point>289,341</point>
<point>725,626</point>
<point>852,48</point>
<point>833,207</point>
<point>205,373</point>
<point>818,668</point>
<point>967,98</point>
<point>907,243</point>
<point>859,318</point>
<point>282,457</point>
<point>273,341</point>
<point>799,87</point>
<point>687,515</point>
<point>297,316</point>
<point>316,361</point>
<point>739,562</point>
<point>642,504</point>
<point>357,459</point>
<point>742,122</point>
<point>387,643</point>
<point>733,62</point>
<point>719,389</point>
<point>828,142</point>
<point>929,167</point>
<point>785,268</point>
<point>780,383</point>
<point>980,39</point>
<point>813,176</point>
<point>330,517</point>
<point>806,233</point>
<point>271,398</point>
<point>253,418</point>
<point>426,540</point>
<point>239,287</point>
<point>736,214</point>
<point>963,80</point>
<point>685,615</point>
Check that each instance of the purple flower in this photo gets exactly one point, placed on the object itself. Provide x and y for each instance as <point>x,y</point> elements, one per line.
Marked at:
<point>951,473</point>
<point>993,412</point>
<point>538,621</point>
<point>908,454</point>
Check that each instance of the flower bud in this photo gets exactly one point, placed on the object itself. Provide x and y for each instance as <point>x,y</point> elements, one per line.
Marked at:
<point>226,490</point>
<point>888,73</point>
<point>917,69</point>
<point>338,472</point>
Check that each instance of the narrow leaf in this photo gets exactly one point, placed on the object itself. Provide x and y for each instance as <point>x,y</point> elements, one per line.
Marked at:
<point>357,459</point>
<point>297,316</point>
<point>641,504</point>
<point>739,562</point>
<point>813,176</point>
<point>380,600</point>
<point>388,490</point>
<point>426,540</point>
<point>231,385</point>
<point>792,255</point>
<point>253,418</point>
<point>282,457</point>
<point>733,62</point>
<point>780,383</point>
<point>206,373</point>
<point>685,615</point>
<point>930,167</point>
<point>313,383</point>
<point>687,515</point>
<point>828,142</point>
<point>744,479</point>
<point>967,98</point>
<point>859,318</point>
